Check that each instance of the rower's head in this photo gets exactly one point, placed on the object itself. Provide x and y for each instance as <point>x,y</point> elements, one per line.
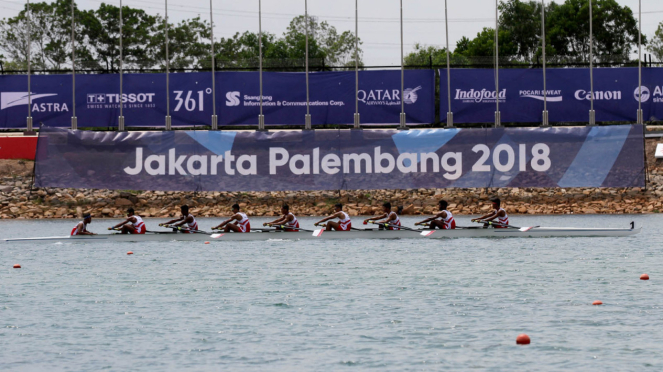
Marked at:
<point>87,218</point>
<point>386,207</point>
<point>235,208</point>
<point>496,203</point>
<point>130,212</point>
<point>338,207</point>
<point>443,205</point>
<point>285,209</point>
<point>185,210</point>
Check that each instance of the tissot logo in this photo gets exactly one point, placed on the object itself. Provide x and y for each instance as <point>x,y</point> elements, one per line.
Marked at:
<point>642,92</point>
<point>11,99</point>
<point>550,96</point>
<point>232,99</point>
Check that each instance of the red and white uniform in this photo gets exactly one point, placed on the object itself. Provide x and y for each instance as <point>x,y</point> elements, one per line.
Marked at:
<point>74,231</point>
<point>244,224</point>
<point>139,225</point>
<point>395,223</point>
<point>345,224</point>
<point>290,224</point>
<point>449,222</point>
<point>193,225</point>
<point>503,220</point>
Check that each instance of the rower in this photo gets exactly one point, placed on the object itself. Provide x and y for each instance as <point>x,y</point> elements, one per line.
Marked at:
<point>288,222</point>
<point>388,217</point>
<point>343,225</point>
<point>81,227</point>
<point>444,220</point>
<point>132,225</point>
<point>498,214</point>
<point>241,225</point>
<point>187,218</point>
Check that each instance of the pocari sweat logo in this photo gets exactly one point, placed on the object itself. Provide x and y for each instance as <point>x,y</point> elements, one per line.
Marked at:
<point>11,99</point>
<point>550,96</point>
<point>232,99</point>
<point>642,92</point>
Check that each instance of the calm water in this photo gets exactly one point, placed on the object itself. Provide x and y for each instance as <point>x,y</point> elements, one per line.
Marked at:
<point>278,305</point>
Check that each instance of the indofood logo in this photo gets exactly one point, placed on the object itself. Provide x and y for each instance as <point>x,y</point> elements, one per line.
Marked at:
<point>608,95</point>
<point>11,99</point>
<point>480,96</point>
<point>641,93</point>
<point>550,96</point>
<point>112,100</point>
<point>388,97</point>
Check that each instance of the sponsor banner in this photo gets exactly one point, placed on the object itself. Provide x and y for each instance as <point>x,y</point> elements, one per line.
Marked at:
<point>568,95</point>
<point>610,156</point>
<point>144,100</point>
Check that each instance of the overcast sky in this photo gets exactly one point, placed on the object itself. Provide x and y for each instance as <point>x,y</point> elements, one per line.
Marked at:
<point>378,19</point>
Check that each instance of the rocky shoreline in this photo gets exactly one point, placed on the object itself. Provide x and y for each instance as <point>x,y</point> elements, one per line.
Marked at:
<point>18,201</point>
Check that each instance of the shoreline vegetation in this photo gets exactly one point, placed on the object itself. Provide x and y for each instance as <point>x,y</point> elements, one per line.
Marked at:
<point>17,201</point>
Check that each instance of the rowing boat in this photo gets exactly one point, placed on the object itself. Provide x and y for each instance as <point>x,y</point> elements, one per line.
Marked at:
<point>468,232</point>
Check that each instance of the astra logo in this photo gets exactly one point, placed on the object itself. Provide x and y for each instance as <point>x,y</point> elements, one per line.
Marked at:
<point>609,95</point>
<point>11,99</point>
<point>479,96</point>
<point>550,96</point>
<point>232,99</point>
<point>644,95</point>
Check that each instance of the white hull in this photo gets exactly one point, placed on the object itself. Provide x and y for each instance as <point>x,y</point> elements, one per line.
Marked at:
<point>535,232</point>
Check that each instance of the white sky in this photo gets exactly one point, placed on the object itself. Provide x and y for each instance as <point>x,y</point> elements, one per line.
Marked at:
<point>379,19</point>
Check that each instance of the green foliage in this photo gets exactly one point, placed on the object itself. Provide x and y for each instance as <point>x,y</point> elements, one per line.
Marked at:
<point>656,45</point>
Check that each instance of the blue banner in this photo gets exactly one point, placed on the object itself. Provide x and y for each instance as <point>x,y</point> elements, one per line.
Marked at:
<point>611,156</point>
<point>332,99</point>
<point>568,95</point>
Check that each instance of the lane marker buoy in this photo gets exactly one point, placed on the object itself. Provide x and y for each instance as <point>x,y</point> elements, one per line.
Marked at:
<point>522,339</point>
<point>597,302</point>
<point>206,242</point>
<point>17,266</point>
<point>130,253</point>
<point>644,277</point>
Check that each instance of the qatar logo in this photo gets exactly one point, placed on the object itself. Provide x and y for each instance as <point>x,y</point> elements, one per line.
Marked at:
<point>232,99</point>
<point>11,99</point>
<point>644,96</point>
<point>411,95</point>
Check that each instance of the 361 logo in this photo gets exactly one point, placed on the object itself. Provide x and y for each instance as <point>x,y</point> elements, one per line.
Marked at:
<point>232,99</point>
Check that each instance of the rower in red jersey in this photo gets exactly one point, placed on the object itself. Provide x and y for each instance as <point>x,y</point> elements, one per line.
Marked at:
<point>443,220</point>
<point>344,223</point>
<point>187,218</point>
<point>132,225</point>
<point>389,219</point>
<point>81,227</point>
<point>288,222</point>
<point>241,222</point>
<point>498,215</point>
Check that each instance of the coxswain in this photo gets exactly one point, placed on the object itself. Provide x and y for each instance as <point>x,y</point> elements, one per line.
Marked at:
<point>388,219</point>
<point>81,227</point>
<point>498,215</point>
<point>132,225</point>
<point>187,218</point>
<point>344,223</point>
<point>288,222</point>
<point>241,222</point>
<point>444,220</point>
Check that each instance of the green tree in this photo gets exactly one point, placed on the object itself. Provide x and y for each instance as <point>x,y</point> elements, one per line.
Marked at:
<point>188,46</point>
<point>656,45</point>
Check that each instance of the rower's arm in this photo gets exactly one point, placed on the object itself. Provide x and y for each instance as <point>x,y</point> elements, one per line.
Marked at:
<point>184,220</point>
<point>335,215</point>
<point>439,215</point>
<point>123,223</point>
<point>276,222</point>
<point>486,216</point>
<point>383,215</point>
<point>495,215</point>
<point>172,221</point>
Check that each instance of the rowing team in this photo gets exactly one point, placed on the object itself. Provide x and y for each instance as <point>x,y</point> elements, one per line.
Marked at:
<point>239,221</point>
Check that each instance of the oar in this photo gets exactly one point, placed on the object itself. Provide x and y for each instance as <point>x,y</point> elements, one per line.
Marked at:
<point>396,226</point>
<point>283,227</point>
<point>522,229</point>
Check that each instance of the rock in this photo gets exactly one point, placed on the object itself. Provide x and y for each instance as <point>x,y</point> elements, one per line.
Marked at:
<point>121,202</point>
<point>6,188</point>
<point>106,211</point>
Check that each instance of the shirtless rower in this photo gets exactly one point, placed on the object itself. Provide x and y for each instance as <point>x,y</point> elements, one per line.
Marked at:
<point>288,220</point>
<point>187,218</point>
<point>241,222</point>
<point>343,225</point>
<point>444,220</point>
<point>498,214</point>
<point>387,217</point>
<point>81,227</point>
<point>132,225</point>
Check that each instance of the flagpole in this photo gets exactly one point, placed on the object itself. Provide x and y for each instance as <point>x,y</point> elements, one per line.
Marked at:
<point>29,120</point>
<point>307,118</point>
<point>168,119</point>
<point>215,120</point>
<point>640,115</point>
<point>120,122</point>
<point>450,114</point>
<point>357,118</point>
<point>403,120</point>
<point>545,122</point>
<point>261,117</point>
<point>592,113</point>
<point>498,116</point>
<point>74,120</point>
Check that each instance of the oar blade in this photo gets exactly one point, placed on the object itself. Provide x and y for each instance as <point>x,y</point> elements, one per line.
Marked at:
<point>318,233</point>
<point>427,233</point>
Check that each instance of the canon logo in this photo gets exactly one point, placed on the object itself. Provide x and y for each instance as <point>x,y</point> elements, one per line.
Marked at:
<point>609,95</point>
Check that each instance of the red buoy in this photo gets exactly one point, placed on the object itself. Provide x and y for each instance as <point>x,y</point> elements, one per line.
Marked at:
<point>130,253</point>
<point>206,242</point>
<point>644,277</point>
<point>522,339</point>
<point>597,302</point>
<point>17,266</point>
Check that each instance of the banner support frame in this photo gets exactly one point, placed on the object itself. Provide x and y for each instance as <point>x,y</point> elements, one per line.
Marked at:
<point>215,119</point>
<point>592,113</point>
<point>357,119</point>
<point>120,119</point>
<point>403,118</point>
<point>498,115</point>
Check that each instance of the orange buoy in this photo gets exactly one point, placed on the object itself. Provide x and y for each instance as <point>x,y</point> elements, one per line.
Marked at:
<point>206,242</point>
<point>597,302</point>
<point>17,266</point>
<point>522,339</point>
<point>644,277</point>
<point>130,253</point>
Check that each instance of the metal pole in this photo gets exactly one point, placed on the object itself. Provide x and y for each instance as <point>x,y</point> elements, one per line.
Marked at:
<point>307,118</point>
<point>120,122</point>
<point>261,117</point>
<point>498,116</point>
<point>29,120</point>
<point>403,117</point>
<point>215,121</point>
<point>543,46</point>
<point>357,119</point>
<point>450,114</point>
<point>592,113</point>
<point>168,119</point>
<point>640,116</point>
<point>74,120</point>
